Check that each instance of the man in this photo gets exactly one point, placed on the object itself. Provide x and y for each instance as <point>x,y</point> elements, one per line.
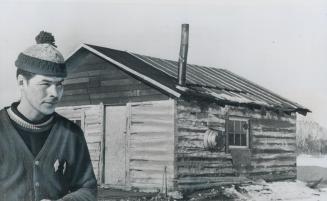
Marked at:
<point>43,156</point>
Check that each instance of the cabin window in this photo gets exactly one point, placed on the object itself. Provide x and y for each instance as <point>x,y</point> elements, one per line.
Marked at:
<point>238,132</point>
<point>78,122</point>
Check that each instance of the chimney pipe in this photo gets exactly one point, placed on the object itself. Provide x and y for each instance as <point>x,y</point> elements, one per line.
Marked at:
<point>182,61</point>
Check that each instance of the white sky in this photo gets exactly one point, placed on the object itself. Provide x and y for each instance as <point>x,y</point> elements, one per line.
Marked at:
<point>280,45</point>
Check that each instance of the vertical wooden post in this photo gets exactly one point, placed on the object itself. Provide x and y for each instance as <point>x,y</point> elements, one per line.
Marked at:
<point>227,135</point>
<point>182,61</point>
<point>103,142</point>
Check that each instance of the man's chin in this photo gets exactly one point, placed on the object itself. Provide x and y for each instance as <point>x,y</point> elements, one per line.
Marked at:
<point>48,110</point>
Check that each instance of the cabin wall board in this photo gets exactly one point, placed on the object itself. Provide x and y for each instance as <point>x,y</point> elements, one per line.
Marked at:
<point>91,124</point>
<point>151,145</point>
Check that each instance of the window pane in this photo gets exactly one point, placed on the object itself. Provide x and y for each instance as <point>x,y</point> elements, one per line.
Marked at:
<point>237,139</point>
<point>231,139</point>
<point>244,127</point>
<point>243,140</point>
<point>230,126</point>
<point>78,122</point>
<point>237,127</point>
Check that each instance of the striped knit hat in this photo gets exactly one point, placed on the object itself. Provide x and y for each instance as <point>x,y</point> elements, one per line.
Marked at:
<point>43,58</point>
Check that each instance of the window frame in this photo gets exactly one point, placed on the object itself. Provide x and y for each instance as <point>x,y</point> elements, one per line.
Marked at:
<point>82,119</point>
<point>242,119</point>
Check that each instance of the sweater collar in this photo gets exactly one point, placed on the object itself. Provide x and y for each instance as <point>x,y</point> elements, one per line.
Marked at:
<point>24,123</point>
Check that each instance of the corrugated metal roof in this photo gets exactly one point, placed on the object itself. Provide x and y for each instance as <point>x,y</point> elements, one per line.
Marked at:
<point>217,83</point>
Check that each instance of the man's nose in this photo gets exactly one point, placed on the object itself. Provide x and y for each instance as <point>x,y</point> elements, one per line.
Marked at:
<point>53,91</point>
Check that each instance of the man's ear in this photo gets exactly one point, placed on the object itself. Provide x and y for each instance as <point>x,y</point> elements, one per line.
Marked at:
<point>21,81</point>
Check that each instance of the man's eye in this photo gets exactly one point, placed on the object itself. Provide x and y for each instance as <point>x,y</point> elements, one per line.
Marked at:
<point>45,84</point>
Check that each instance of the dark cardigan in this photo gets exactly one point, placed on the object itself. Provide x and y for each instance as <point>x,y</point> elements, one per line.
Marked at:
<point>62,168</point>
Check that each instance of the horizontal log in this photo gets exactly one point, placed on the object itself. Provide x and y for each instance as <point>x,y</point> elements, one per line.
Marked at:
<point>273,163</point>
<point>206,180</point>
<point>282,142</point>
<point>272,169</point>
<point>181,108</point>
<point>194,172</point>
<point>270,151</point>
<point>195,129</point>
<point>280,156</point>
<point>274,146</point>
<point>261,134</point>
<point>204,155</point>
<point>275,129</point>
<point>228,172</point>
<point>269,123</point>
<point>204,164</point>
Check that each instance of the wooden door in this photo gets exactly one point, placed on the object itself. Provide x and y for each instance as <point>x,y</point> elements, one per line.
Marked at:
<point>115,147</point>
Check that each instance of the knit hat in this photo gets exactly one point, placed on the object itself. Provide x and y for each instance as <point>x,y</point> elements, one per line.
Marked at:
<point>43,58</point>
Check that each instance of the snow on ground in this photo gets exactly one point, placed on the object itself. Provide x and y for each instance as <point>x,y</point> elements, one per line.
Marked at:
<point>277,191</point>
<point>310,160</point>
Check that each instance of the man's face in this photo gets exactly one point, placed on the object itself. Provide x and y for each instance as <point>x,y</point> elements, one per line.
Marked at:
<point>43,93</point>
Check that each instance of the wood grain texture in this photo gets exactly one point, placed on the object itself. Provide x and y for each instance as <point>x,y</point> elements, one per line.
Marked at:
<point>151,144</point>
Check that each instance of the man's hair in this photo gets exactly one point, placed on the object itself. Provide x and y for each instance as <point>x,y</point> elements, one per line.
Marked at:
<point>26,74</point>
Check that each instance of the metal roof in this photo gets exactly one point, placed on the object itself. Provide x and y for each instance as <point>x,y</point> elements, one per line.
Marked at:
<point>216,83</point>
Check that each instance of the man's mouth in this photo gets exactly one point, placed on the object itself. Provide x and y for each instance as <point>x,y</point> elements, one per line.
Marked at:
<point>51,103</point>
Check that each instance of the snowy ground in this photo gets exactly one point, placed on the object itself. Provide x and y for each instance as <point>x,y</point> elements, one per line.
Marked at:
<point>310,168</point>
<point>310,160</point>
<point>276,191</point>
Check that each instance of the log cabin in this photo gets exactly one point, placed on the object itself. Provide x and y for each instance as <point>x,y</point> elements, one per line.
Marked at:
<point>154,124</point>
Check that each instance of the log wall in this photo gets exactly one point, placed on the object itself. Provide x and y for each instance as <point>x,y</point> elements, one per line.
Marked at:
<point>271,150</point>
<point>197,167</point>
<point>91,123</point>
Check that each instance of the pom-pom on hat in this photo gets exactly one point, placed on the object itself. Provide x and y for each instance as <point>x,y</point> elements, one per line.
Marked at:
<point>43,58</point>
